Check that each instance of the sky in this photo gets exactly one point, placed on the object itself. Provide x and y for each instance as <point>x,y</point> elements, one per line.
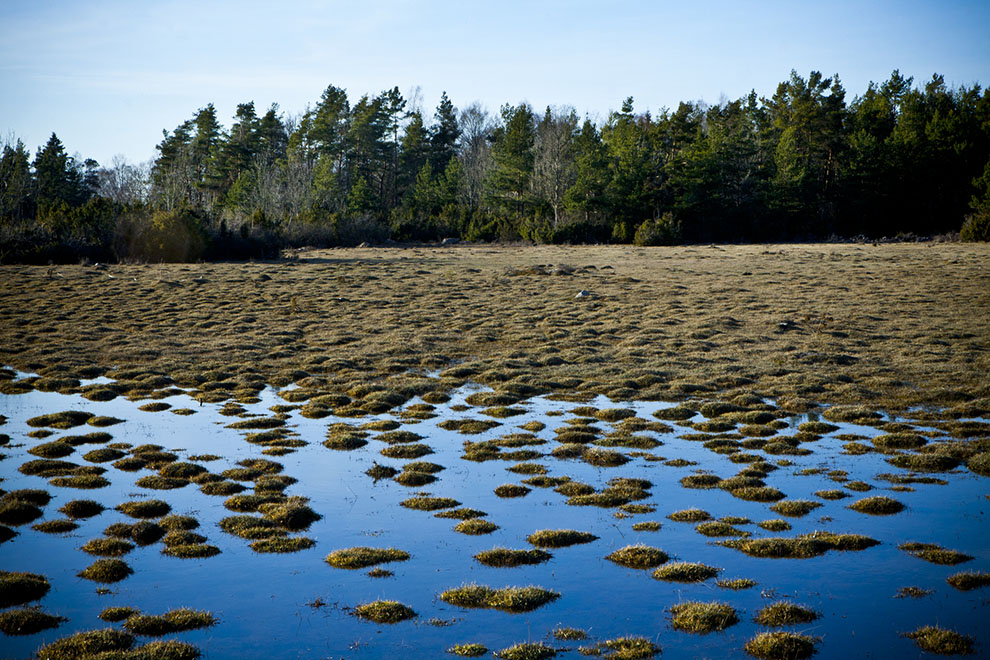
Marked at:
<point>108,76</point>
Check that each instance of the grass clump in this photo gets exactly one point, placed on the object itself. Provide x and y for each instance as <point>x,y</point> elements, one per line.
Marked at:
<point>173,621</point>
<point>89,644</point>
<point>115,614</point>
<point>775,525</point>
<point>527,651</point>
<point>280,545</point>
<point>106,571</point>
<point>468,426</point>
<point>737,584</point>
<point>464,513</point>
<point>17,588</point>
<point>77,509</point>
<point>941,641</point>
<point>60,420</point>
<point>778,548</point>
<point>250,527</point>
<point>878,505</point>
<point>58,526</point>
<point>758,494</point>
<point>969,580</point>
<point>718,528</point>
<point>81,481</point>
<point>833,494</point>
<point>509,599</point>
<point>646,526</point>
<point>624,648</point>
<point>156,482</point>
<point>385,611</point>
<point>144,508</point>
<point>475,527</point>
<point>508,558</point>
<point>701,481</point>
<point>54,449</point>
<point>889,441</point>
<point>781,646</point>
<point>414,479</point>
<point>468,650</point>
<point>934,553</point>
<point>191,550</point>
<point>410,451</point>
<point>559,538</point>
<point>292,514</point>
<point>511,490</point>
<point>925,462</point>
<point>702,618</point>
<point>979,463</point>
<point>638,556</point>
<point>569,634</point>
<point>795,508</point>
<point>363,557</point>
<point>18,512</point>
<point>785,614</point>
<point>429,503</point>
<point>107,547</point>
<point>685,572</point>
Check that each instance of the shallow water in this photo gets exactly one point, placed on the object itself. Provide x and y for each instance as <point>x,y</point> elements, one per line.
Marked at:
<point>263,600</point>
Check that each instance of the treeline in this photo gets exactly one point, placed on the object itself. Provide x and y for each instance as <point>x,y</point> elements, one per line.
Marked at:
<point>803,165</point>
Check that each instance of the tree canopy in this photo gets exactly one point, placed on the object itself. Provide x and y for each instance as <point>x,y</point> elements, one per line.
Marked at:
<point>807,163</point>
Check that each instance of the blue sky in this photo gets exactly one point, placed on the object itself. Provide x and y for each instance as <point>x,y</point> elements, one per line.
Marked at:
<point>107,76</point>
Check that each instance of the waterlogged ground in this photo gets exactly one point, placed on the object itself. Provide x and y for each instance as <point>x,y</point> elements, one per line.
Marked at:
<point>297,605</point>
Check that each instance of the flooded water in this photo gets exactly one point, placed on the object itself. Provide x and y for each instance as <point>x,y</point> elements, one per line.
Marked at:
<point>298,606</point>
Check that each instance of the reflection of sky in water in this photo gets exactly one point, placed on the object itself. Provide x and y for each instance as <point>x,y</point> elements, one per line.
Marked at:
<point>261,599</point>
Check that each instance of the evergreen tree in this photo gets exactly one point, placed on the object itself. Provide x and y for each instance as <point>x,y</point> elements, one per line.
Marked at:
<point>508,183</point>
<point>16,203</point>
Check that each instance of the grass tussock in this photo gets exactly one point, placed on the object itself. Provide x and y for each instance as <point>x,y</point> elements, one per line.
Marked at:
<point>878,505</point>
<point>88,644</point>
<point>559,538</point>
<point>702,618</point>
<point>191,550</point>
<point>144,508</point>
<point>527,651</point>
<point>507,557</point>
<point>941,641</point>
<point>282,545</point>
<point>934,553</point>
<point>795,508</point>
<point>475,527</point>
<point>468,650</point>
<point>781,646</point>
<point>106,571</point>
<point>736,584</point>
<point>690,515</point>
<point>17,588</point>
<point>969,580</point>
<point>173,621</point>
<point>785,614</point>
<point>509,599</point>
<point>363,557</point>
<point>78,509</point>
<point>685,572</point>
<point>511,490</point>
<point>429,503</point>
<point>624,648</point>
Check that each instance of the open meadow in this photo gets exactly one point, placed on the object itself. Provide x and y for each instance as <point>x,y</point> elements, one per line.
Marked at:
<point>728,451</point>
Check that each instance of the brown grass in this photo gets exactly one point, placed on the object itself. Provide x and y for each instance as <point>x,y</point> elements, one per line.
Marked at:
<point>829,346</point>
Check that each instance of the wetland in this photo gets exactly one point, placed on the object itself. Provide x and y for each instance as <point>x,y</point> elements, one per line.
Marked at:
<point>733,451</point>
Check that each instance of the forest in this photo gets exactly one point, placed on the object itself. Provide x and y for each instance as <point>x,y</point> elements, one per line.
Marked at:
<point>898,161</point>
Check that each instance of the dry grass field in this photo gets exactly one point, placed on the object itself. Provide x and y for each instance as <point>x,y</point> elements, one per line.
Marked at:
<point>887,326</point>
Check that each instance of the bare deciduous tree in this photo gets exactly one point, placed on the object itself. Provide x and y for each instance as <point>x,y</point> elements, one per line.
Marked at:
<point>554,167</point>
